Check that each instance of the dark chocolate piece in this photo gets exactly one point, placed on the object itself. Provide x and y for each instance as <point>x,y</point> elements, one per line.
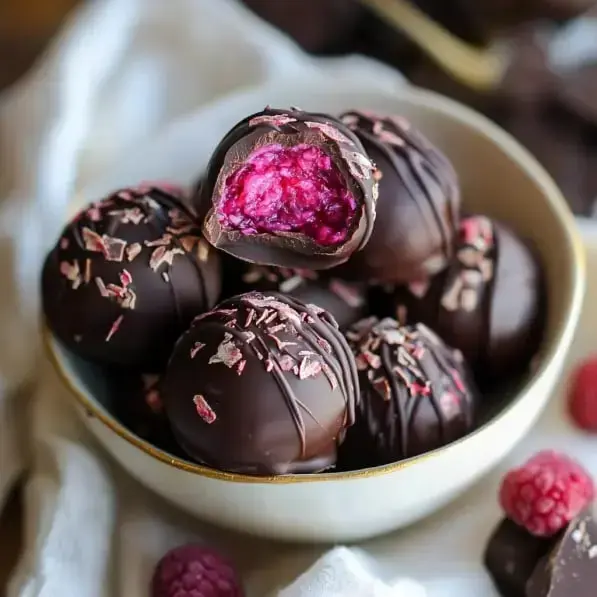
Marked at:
<point>289,188</point>
<point>511,556</point>
<point>127,276</point>
<point>345,301</point>
<point>416,393</point>
<point>570,569</point>
<point>262,385</point>
<point>418,206</point>
<point>487,303</point>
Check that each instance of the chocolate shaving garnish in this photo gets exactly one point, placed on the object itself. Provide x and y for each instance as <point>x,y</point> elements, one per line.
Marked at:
<point>286,362</point>
<point>115,327</point>
<point>241,366</point>
<point>196,348</point>
<point>133,215</point>
<point>203,409</point>
<point>132,251</point>
<point>280,343</point>
<point>164,241</point>
<point>228,353</point>
<point>291,284</point>
<point>72,273</point>
<point>349,294</point>
<point>309,368</point>
<point>161,256</point>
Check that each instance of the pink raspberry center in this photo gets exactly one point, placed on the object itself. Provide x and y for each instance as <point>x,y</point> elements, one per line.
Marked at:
<point>288,189</point>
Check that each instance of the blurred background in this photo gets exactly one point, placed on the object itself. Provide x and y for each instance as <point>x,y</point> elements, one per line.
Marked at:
<point>530,65</point>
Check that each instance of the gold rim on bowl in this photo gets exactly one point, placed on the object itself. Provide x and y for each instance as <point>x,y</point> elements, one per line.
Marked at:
<point>559,342</point>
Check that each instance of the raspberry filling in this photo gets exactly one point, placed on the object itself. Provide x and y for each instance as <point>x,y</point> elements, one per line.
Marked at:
<point>288,189</point>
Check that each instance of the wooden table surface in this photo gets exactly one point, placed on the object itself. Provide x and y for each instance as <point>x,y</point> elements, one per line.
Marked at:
<point>25,28</point>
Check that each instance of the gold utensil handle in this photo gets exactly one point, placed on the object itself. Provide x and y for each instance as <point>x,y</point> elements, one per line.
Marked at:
<point>480,69</point>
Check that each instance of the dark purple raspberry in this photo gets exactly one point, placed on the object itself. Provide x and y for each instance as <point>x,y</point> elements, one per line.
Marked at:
<point>195,571</point>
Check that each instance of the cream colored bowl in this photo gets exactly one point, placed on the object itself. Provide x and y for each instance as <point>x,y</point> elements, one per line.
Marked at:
<point>499,178</point>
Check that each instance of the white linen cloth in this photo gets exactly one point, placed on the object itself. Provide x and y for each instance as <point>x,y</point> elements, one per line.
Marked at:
<point>119,74</point>
<point>121,71</point>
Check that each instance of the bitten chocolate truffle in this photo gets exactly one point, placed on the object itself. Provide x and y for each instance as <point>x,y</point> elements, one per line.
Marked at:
<point>262,385</point>
<point>487,303</point>
<point>418,206</point>
<point>289,188</point>
<point>415,393</point>
<point>127,276</point>
<point>345,301</point>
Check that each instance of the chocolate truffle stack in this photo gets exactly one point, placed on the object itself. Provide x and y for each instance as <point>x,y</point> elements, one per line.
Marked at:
<point>309,304</point>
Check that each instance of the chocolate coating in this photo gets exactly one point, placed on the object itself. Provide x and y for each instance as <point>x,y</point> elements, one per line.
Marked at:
<point>137,404</point>
<point>127,276</point>
<point>288,129</point>
<point>487,303</point>
<point>570,568</point>
<point>345,301</point>
<point>418,205</point>
<point>262,385</point>
<point>415,393</point>
<point>511,556</point>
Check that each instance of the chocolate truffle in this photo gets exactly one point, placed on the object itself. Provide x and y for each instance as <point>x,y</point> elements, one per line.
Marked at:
<point>345,301</point>
<point>289,188</point>
<point>511,556</point>
<point>415,393</point>
<point>262,385</point>
<point>127,276</point>
<point>487,303</point>
<point>418,206</point>
<point>570,568</point>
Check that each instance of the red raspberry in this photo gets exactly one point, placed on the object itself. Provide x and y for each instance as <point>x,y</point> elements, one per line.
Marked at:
<point>546,493</point>
<point>582,399</point>
<point>195,571</point>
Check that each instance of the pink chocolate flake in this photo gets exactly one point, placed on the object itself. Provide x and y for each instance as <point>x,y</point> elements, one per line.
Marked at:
<point>112,248</point>
<point>196,348</point>
<point>204,410</point>
<point>289,190</point>
<point>115,327</point>
<point>72,273</point>
<point>162,255</point>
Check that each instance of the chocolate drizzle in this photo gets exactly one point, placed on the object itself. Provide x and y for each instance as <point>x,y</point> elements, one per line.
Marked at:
<point>415,392</point>
<point>136,261</point>
<point>248,342</point>
<point>419,202</point>
<point>289,127</point>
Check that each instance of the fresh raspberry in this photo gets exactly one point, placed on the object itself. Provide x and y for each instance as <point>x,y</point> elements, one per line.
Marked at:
<point>582,399</point>
<point>546,493</point>
<point>195,571</point>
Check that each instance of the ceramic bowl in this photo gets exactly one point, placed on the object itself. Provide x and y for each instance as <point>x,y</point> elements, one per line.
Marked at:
<point>499,178</point>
